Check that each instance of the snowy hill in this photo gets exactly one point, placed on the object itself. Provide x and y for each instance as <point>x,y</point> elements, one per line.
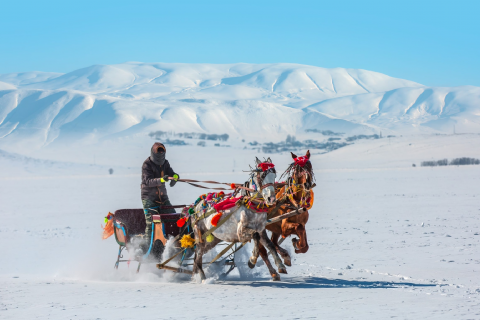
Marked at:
<point>261,102</point>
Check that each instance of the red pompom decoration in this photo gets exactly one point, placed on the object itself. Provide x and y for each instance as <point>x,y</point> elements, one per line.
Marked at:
<point>216,218</point>
<point>233,186</point>
<point>181,222</point>
<point>266,165</point>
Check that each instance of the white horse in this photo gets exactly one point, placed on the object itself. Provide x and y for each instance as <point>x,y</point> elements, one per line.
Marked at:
<point>241,224</point>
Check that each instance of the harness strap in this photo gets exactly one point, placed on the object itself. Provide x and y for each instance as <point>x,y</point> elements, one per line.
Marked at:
<point>222,252</point>
<point>160,265</point>
<point>275,210</point>
<point>226,249</point>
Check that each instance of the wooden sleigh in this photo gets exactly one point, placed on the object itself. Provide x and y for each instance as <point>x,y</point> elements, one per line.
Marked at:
<point>128,223</point>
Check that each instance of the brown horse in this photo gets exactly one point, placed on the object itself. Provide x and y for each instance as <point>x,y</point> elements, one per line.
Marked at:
<point>295,193</point>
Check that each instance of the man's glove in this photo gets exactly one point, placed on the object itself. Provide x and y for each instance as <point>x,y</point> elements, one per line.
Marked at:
<point>175,179</point>
<point>164,179</point>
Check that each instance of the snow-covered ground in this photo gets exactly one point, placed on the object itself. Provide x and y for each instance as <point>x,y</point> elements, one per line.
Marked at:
<point>387,240</point>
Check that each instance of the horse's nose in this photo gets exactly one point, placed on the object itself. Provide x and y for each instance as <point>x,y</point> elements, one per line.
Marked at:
<point>271,199</point>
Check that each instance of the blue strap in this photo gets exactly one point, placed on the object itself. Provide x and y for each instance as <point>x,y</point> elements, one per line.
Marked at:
<point>151,242</point>
<point>254,184</point>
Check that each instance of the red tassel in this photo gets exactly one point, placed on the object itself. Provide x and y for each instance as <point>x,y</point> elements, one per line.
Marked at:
<point>216,218</point>
<point>233,186</point>
<point>181,222</point>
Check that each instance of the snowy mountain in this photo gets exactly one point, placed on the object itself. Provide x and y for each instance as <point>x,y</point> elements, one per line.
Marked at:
<point>263,102</point>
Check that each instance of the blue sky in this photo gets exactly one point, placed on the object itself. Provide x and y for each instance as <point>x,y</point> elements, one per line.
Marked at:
<point>431,42</point>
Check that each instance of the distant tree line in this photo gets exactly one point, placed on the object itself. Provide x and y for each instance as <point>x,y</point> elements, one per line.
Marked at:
<point>325,132</point>
<point>454,162</point>
<point>362,136</point>
<point>175,142</point>
<point>189,135</point>
<point>292,144</point>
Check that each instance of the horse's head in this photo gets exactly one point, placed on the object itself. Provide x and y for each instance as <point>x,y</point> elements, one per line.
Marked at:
<point>302,170</point>
<point>264,178</point>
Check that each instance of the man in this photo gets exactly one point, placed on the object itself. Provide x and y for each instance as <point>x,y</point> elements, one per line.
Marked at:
<point>155,173</point>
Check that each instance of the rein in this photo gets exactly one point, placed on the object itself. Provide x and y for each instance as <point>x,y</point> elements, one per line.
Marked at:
<point>267,185</point>
<point>232,185</point>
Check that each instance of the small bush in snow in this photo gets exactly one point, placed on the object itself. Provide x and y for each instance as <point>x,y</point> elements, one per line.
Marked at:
<point>325,132</point>
<point>464,161</point>
<point>362,136</point>
<point>175,142</point>
<point>454,162</point>
<point>443,162</point>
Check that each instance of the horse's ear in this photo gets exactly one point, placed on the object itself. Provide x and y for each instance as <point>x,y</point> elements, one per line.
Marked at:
<point>308,154</point>
<point>293,155</point>
<point>257,161</point>
<point>269,160</point>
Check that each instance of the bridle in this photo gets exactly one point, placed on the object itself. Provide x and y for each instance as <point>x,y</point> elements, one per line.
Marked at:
<point>258,175</point>
<point>262,177</point>
<point>294,173</point>
<point>303,173</point>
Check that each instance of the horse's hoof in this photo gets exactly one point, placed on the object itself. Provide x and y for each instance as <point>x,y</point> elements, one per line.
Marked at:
<point>301,250</point>
<point>252,262</point>
<point>282,270</point>
<point>287,261</point>
<point>275,277</point>
<point>294,242</point>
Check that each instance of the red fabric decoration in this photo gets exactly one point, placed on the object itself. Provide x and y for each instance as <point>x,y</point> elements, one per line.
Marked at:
<point>216,218</point>
<point>181,222</point>
<point>301,161</point>
<point>266,165</point>
<point>226,204</point>
<point>233,186</point>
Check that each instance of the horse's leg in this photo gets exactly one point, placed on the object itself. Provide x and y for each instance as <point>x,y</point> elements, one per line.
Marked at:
<point>289,228</point>
<point>271,248</point>
<point>301,245</point>
<point>282,252</point>
<point>256,251</point>
<point>264,255</point>
<point>197,262</point>
<point>199,251</point>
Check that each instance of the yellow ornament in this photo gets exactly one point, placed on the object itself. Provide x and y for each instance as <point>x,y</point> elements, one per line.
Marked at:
<point>187,241</point>
<point>210,238</point>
